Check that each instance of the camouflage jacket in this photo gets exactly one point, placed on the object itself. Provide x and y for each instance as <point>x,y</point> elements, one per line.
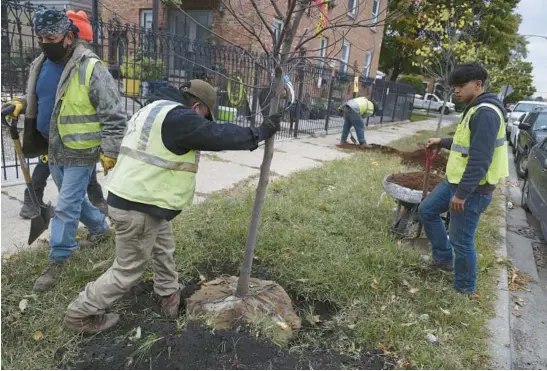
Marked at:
<point>103,94</point>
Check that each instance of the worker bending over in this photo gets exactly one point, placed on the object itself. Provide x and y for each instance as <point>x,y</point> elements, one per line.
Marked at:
<point>354,110</point>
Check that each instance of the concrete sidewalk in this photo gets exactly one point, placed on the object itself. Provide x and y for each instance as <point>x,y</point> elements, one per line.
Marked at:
<point>218,171</point>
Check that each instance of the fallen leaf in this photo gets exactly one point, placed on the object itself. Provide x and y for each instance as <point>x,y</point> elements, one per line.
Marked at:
<point>437,322</point>
<point>149,276</point>
<point>516,313</point>
<point>445,311</point>
<point>375,163</point>
<point>352,326</point>
<point>37,336</point>
<point>409,324</point>
<point>283,325</point>
<point>424,317</point>
<point>105,264</point>
<point>519,301</point>
<point>464,324</point>
<point>202,278</point>
<point>383,308</point>
<point>431,338</point>
<point>137,334</point>
<point>6,257</point>
<point>374,284</point>
<point>23,304</point>
<point>405,282</point>
<point>384,348</point>
<point>413,290</point>
<point>303,280</point>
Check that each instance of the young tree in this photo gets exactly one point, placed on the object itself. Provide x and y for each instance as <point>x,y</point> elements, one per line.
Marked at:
<point>301,22</point>
<point>448,39</point>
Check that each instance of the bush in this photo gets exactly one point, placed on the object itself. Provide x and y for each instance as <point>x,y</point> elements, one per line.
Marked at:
<point>416,81</point>
<point>142,68</point>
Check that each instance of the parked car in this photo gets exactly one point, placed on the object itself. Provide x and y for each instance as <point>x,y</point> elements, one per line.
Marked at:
<point>533,129</point>
<point>432,102</point>
<point>534,189</point>
<point>521,108</point>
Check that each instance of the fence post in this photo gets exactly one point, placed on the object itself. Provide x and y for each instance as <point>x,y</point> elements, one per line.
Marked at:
<point>385,92</point>
<point>255,94</point>
<point>329,100</point>
<point>395,105</point>
<point>300,92</point>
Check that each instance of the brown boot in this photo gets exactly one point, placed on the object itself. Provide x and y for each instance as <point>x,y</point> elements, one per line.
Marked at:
<point>91,324</point>
<point>364,145</point>
<point>170,304</point>
<point>93,239</point>
<point>48,277</point>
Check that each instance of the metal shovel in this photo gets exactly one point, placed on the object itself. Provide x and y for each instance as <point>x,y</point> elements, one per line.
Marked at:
<point>39,222</point>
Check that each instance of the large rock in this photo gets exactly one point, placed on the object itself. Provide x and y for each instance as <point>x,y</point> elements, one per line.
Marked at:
<point>267,305</point>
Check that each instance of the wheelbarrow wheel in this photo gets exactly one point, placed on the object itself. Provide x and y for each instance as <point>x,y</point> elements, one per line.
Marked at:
<point>406,226</point>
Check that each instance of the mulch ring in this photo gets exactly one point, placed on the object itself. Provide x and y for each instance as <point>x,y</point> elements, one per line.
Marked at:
<point>168,344</point>
<point>415,180</point>
<point>412,158</point>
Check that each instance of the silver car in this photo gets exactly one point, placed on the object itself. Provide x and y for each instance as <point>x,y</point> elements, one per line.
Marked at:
<point>513,122</point>
<point>534,190</point>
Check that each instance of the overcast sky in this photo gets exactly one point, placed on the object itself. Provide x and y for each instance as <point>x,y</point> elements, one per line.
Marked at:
<point>534,22</point>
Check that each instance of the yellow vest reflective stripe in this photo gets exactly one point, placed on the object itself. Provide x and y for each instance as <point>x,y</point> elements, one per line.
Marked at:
<point>365,107</point>
<point>78,123</point>
<point>146,171</point>
<point>459,152</point>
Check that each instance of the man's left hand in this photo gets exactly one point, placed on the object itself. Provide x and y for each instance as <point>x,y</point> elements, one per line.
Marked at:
<point>457,204</point>
<point>107,162</point>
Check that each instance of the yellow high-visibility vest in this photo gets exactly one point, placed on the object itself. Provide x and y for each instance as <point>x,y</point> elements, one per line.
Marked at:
<point>146,171</point>
<point>459,152</point>
<point>78,123</point>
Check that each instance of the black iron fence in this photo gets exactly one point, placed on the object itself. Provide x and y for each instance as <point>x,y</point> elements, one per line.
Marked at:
<point>143,61</point>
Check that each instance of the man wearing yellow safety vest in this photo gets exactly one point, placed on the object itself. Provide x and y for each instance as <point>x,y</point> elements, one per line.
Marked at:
<point>477,163</point>
<point>354,110</point>
<point>73,101</point>
<point>154,180</point>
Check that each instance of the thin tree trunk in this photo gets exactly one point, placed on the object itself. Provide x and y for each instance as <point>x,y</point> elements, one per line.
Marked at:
<point>245,274</point>
<point>445,98</point>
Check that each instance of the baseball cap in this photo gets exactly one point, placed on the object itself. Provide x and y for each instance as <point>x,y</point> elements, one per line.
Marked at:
<point>203,91</point>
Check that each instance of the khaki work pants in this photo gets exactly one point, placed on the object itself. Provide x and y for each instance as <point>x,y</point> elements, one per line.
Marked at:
<point>139,237</point>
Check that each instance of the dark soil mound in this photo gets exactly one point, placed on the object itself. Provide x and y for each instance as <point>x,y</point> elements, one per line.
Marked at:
<point>417,157</point>
<point>372,147</point>
<point>414,158</point>
<point>164,345</point>
<point>415,180</point>
<point>198,347</point>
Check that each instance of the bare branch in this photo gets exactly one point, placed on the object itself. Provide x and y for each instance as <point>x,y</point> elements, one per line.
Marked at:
<point>276,8</point>
<point>266,24</point>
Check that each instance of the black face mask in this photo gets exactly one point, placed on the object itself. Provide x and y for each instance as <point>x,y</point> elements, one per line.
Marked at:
<point>54,51</point>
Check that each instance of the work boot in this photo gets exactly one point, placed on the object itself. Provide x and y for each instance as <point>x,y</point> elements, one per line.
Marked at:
<point>170,304</point>
<point>433,264</point>
<point>48,277</point>
<point>93,239</point>
<point>91,324</point>
<point>364,145</point>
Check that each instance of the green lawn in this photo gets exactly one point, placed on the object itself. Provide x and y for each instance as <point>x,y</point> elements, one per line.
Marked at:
<point>418,117</point>
<point>324,236</point>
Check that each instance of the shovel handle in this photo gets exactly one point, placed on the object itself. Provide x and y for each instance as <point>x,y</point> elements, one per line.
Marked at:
<point>24,168</point>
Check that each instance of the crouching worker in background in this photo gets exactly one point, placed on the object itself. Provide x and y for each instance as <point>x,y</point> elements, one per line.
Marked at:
<point>354,110</point>
<point>153,181</point>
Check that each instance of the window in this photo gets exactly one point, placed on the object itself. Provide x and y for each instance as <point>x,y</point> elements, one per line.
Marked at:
<point>323,53</point>
<point>541,122</point>
<point>146,19</point>
<point>352,7</point>
<point>344,57</point>
<point>277,25</point>
<point>368,63</point>
<point>375,10</point>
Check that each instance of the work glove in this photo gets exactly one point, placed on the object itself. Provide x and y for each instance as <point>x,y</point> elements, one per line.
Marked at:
<point>18,108</point>
<point>107,162</point>
<point>271,125</point>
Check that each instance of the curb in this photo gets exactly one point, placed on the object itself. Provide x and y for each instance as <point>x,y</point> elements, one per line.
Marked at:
<point>499,345</point>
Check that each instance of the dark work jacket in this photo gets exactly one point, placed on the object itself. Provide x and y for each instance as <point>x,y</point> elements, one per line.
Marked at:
<point>484,127</point>
<point>184,130</point>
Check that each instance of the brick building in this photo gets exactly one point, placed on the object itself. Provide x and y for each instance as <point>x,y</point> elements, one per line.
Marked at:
<point>359,47</point>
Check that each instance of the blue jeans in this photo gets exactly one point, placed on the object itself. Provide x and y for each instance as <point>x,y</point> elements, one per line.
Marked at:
<point>352,118</point>
<point>72,206</point>
<point>462,232</point>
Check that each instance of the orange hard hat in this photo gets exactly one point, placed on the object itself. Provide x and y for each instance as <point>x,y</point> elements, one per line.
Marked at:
<point>81,21</point>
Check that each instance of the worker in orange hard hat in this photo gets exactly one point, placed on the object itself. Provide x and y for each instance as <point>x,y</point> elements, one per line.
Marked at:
<point>80,20</point>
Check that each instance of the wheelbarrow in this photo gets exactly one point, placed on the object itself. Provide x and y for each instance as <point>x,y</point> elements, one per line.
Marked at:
<point>39,222</point>
<point>406,223</point>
